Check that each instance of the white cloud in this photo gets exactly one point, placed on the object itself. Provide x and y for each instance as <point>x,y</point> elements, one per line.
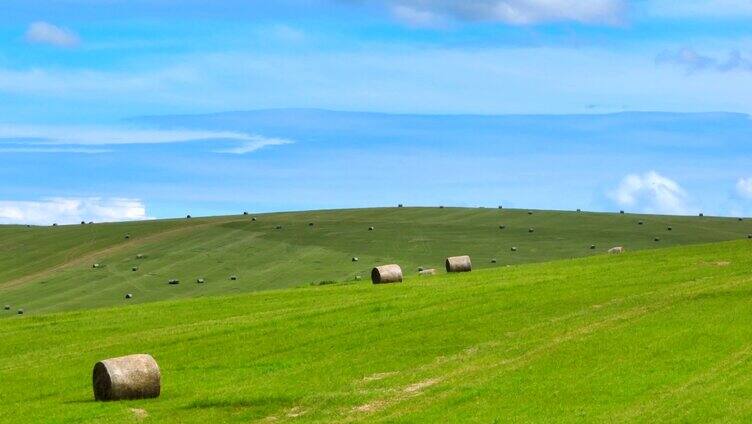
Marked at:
<point>64,210</point>
<point>46,33</point>
<point>39,139</point>
<point>744,187</point>
<point>257,143</point>
<point>699,8</point>
<point>693,61</point>
<point>651,193</point>
<point>515,12</point>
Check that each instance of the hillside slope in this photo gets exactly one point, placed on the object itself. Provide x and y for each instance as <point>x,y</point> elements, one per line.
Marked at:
<point>51,269</point>
<point>650,336</point>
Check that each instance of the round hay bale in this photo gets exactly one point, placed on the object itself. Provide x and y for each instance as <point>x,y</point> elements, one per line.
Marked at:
<point>188,217</point>
<point>96,266</point>
<point>173,281</point>
<point>128,296</point>
<point>669,228</point>
<point>701,214</point>
<point>20,312</point>
<point>134,269</point>
<point>355,259</point>
<point>278,227</point>
<point>310,224</point>
<point>531,230</point>
<point>245,213</point>
<point>493,261</point>
<point>514,249</point>
<point>400,205</point>
<point>529,212</point>
<point>126,377</point>
<point>253,219</point>
<point>616,250</point>
<point>640,222</point>
<point>501,227</point>
<point>656,239</point>
<point>7,307</point>
<point>579,210</point>
<point>370,228</point>
<point>749,236</point>
<point>28,226</point>
<point>592,247</point>
<point>425,272</point>
<point>621,212</point>
<point>140,256</point>
<point>55,224</point>
<point>386,274</point>
<point>441,207</point>
<point>420,268</point>
<point>200,281</point>
<point>358,278</point>
<point>500,207</point>
<point>127,236</point>
<point>233,277</point>
<point>458,264</point>
<point>740,219</point>
<point>83,222</point>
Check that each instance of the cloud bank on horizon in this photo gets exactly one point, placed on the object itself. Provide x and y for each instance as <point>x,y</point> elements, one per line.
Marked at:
<point>72,72</point>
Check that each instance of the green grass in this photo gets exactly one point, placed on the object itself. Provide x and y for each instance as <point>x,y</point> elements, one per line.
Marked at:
<point>48,269</point>
<point>651,336</point>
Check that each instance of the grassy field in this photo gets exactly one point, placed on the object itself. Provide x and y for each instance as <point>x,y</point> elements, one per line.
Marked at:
<point>660,335</point>
<point>48,269</point>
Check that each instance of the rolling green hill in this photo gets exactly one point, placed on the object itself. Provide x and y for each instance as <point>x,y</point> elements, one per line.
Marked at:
<point>45,269</point>
<point>651,336</point>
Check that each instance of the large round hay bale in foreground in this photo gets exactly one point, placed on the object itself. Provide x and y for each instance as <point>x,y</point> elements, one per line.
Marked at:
<point>127,377</point>
<point>458,264</point>
<point>386,274</point>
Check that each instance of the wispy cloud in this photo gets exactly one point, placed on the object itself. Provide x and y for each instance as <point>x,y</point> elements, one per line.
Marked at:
<point>744,187</point>
<point>651,192</point>
<point>257,143</point>
<point>41,139</point>
<point>514,12</point>
<point>46,33</point>
<point>66,210</point>
<point>694,61</point>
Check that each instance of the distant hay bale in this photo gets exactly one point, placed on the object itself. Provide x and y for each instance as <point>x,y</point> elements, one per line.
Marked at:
<point>278,227</point>
<point>128,296</point>
<point>531,230</point>
<point>253,219</point>
<point>501,227</point>
<point>656,239</point>
<point>20,312</point>
<point>7,307</point>
<point>514,249</point>
<point>616,250</point>
<point>96,266</point>
<point>127,236</point>
<point>310,224</point>
<point>173,281</point>
<point>425,272</point>
<point>358,278</point>
<point>370,228</point>
<point>592,247</point>
<point>386,274</point>
<point>670,228</point>
<point>441,207</point>
<point>233,277</point>
<point>400,205</point>
<point>126,377</point>
<point>740,219</point>
<point>355,259</point>
<point>54,224</point>
<point>140,256</point>
<point>493,261</point>
<point>134,269</point>
<point>200,281</point>
<point>701,214</point>
<point>245,213</point>
<point>458,264</point>
<point>28,226</point>
<point>188,216</point>
<point>500,207</point>
<point>579,210</point>
<point>640,222</point>
<point>420,268</point>
<point>529,212</point>
<point>749,236</point>
<point>91,222</point>
<point>83,222</point>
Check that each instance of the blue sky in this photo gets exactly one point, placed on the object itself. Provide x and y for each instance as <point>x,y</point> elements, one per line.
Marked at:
<point>77,78</point>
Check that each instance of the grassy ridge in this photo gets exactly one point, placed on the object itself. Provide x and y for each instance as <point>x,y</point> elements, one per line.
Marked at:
<point>50,269</point>
<point>646,336</point>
